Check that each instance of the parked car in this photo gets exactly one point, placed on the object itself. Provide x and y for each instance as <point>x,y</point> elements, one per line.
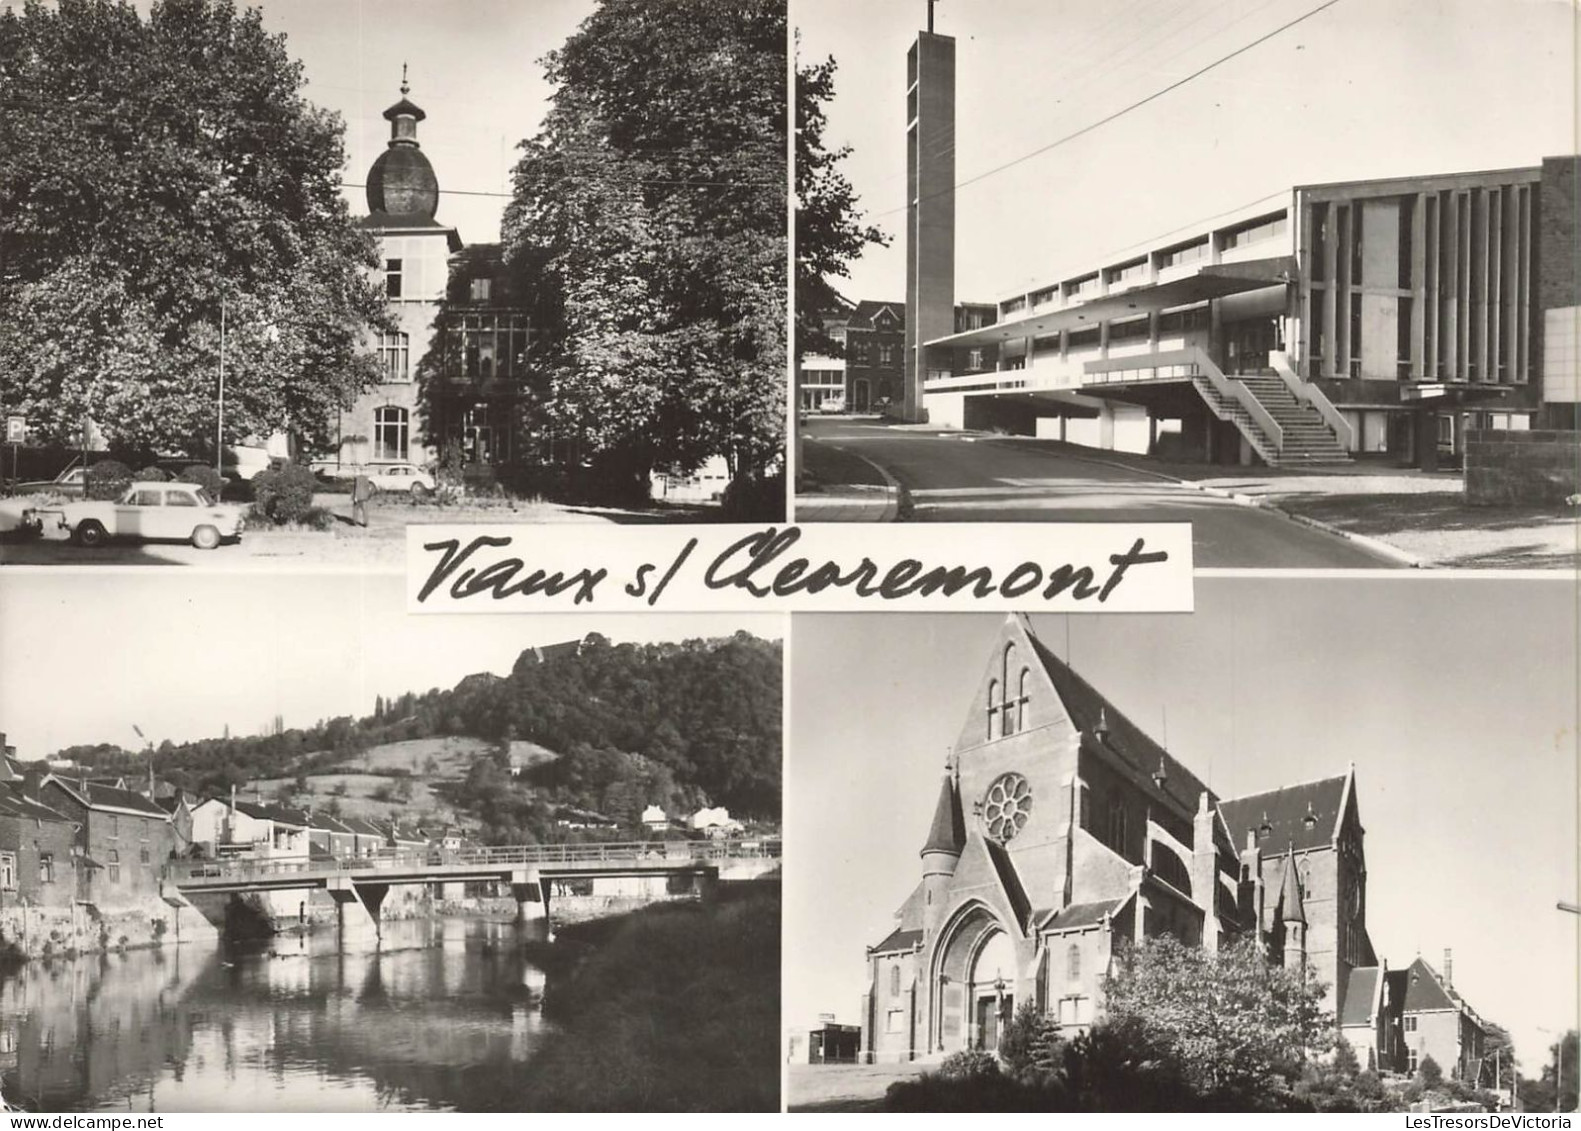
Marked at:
<point>72,481</point>
<point>403,477</point>
<point>179,511</point>
<point>832,404</point>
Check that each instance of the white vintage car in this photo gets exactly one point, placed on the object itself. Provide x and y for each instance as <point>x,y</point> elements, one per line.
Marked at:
<point>179,511</point>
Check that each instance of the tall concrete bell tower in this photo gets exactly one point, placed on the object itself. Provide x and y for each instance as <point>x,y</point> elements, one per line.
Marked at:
<point>930,204</point>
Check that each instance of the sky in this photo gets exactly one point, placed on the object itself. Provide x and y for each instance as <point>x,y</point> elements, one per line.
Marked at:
<point>473,67</point>
<point>1456,698</point>
<point>183,654</point>
<point>1365,88</point>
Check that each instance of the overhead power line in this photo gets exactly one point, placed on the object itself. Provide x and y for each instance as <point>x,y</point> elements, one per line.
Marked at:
<point>1124,110</point>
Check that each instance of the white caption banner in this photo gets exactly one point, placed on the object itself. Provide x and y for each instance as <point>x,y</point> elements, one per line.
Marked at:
<point>1051,567</point>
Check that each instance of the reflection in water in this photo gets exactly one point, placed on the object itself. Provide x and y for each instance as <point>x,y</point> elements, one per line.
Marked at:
<point>416,1021</point>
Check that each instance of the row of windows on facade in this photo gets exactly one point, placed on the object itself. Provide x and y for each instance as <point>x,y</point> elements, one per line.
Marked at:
<point>478,346</point>
<point>1171,323</point>
<point>46,867</point>
<point>1137,271</point>
<point>478,290</point>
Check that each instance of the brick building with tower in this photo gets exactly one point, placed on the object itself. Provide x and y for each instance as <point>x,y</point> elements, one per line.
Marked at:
<point>454,370</point>
<point>1063,834</point>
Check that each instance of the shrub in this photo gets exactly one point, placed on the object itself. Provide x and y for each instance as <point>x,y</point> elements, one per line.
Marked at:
<point>1431,1075</point>
<point>204,476</point>
<point>152,474</point>
<point>107,479</point>
<point>969,1064</point>
<point>285,496</point>
<point>1030,1045</point>
<point>754,498</point>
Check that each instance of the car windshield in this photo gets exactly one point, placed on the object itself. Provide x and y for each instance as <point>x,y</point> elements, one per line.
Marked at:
<point>204,497</point>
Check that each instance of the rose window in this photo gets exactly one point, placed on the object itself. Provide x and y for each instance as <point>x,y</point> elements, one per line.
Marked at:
<point>1007,806</point>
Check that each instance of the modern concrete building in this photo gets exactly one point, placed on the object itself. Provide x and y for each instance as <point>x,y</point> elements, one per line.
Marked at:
<point>1064,834</point>
<point>1380,317</point>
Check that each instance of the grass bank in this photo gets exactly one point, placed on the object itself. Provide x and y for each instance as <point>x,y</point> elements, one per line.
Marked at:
<point>671,1008</point>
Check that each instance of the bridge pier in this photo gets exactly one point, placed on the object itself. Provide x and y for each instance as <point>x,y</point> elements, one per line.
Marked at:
<point>532,897</point>
<point>346,893</point>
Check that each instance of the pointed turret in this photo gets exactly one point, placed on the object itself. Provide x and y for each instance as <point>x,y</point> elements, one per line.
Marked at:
<point>947,834</point>
<point>942,851</point>
<point>1293,916</point>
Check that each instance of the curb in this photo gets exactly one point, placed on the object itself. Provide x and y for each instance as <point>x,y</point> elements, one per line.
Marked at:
<point>1240,499</point>
<point>897,501</point>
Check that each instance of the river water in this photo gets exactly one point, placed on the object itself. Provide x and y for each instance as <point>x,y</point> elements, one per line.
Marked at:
<point>433,1012</point>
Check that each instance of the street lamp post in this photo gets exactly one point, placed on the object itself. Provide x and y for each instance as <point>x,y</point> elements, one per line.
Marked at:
<point>219,427</point>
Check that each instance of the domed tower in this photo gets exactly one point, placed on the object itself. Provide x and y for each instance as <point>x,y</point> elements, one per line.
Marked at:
<point>942,852</point>
<point>402,182</point>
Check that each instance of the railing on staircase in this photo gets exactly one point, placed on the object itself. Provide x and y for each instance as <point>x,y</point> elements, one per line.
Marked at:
<point>1235,393</point>
<point>1310,395</point>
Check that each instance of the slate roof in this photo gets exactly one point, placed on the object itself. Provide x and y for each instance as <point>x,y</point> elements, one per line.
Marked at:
<point>862,317</point>
<point>276,813</point>
<point>1081,915</point>
<point>97,796</point>
<point>363,827</point>
<point>1086,706</point>
<point>948,832</point>
<point>14,803</point>
<point>1286,812</point>
<point>1424,989</point>
<point>898,941</point>
<point>1359,992</point>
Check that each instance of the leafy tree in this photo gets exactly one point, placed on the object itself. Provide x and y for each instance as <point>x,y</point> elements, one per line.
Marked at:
<point>1240,1028</point>
<point>1551,1092</point>
<point>648,220</point>
<point>160,172</point>
<point>829,229</point>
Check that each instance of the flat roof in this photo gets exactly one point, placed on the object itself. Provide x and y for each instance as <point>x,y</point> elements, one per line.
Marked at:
<point>1211,280</point>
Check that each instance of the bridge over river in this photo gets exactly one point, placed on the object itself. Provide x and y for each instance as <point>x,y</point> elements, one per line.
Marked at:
<point>530,870</point>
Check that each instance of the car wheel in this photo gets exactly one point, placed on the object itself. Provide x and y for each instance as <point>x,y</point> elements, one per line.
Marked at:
<point>419,491</point>
<point>205,537</point>
<point>91,533</point>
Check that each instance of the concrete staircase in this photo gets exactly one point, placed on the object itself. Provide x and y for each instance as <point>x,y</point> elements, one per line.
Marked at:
<point>1230,409</point>
<point>1306,436</point>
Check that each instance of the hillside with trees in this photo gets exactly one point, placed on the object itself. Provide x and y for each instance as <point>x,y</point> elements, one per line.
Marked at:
<point>680,725</point>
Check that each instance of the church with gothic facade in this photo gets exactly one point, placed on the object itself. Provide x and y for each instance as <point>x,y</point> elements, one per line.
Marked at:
<point>1063,833</point>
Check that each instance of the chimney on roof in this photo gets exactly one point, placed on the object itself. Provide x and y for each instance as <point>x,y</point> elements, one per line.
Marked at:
<point>1449,967</point>
<point>1161,775</point>
<point>1101,728</point>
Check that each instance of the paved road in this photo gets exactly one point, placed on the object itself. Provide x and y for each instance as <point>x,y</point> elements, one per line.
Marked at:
<point>954,477</point>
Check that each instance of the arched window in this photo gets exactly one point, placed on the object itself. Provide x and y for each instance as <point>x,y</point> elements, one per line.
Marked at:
<point>993,705</point>
<point>1073,963</point>
<point>1023,715</point>
<point>391,434</point>
<point>1008,706</point>
<point>894,981</point>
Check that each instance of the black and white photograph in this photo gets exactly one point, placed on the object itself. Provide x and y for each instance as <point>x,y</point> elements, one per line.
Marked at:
<point>294,850</point>
<point>1300,273</point>
<point>277,282</point>
<point>513,737</point>
<point>1230,860</point>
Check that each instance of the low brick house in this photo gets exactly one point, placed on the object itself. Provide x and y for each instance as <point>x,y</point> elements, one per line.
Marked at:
<point>35,852</point>
<point>124,839</point>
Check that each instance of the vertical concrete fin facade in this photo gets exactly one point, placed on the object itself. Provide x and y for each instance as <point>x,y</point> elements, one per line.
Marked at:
<point>930,207</point>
